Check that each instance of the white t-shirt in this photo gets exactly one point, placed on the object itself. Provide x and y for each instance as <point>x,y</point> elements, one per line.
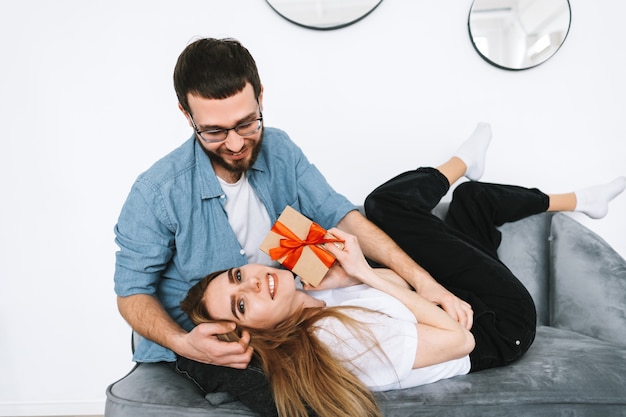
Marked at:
<point>248,217</point>
<point>390,366</point>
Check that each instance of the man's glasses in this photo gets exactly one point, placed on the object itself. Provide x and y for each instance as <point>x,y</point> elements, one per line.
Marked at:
<point>219,135</point>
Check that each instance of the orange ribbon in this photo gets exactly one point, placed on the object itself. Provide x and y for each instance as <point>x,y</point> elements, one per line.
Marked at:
<point>291,247</point>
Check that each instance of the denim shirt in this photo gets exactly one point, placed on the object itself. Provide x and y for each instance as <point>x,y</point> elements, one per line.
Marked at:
<point>173,229</point>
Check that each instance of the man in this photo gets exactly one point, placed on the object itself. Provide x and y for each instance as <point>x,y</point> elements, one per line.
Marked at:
<point>209,204</point>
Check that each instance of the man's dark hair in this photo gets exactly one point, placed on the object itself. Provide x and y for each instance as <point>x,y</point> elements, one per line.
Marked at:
<point>214,69</point>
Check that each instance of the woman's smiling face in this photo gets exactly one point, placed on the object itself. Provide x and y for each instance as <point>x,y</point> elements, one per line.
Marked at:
<point>256,296</point>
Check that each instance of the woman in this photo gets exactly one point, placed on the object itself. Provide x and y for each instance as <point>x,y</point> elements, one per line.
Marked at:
<point>324,350</point>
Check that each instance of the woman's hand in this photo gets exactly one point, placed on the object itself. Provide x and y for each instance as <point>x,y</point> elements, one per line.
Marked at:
<point>457,308</point>
<point>351,257</point>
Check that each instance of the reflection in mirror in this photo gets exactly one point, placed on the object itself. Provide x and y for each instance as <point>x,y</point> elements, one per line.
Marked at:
<point>518,34</point>
<point>323,14</point>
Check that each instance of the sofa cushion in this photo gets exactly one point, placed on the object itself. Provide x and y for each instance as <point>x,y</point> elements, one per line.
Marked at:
<point>588,282</point>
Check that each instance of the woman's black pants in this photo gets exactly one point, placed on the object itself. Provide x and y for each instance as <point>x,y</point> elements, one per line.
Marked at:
<point>460,252</point>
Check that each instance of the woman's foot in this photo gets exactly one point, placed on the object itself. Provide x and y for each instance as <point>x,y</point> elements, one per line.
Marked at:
<point>474,150</point>
<point>594,201</point>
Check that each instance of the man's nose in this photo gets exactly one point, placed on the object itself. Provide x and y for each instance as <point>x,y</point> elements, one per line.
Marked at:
<point>234,142</point>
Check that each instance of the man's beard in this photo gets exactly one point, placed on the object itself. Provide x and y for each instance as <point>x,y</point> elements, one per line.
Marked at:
<point>240,166</point>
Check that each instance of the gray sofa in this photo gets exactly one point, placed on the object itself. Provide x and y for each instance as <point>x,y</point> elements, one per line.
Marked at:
<point>576,367</point>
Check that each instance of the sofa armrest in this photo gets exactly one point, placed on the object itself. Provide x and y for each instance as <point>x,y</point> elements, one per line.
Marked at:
<point>587,283</point>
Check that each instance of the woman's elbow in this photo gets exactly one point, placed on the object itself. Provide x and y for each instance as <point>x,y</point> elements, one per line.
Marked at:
<point>468,343</point>
<point>464,343</point>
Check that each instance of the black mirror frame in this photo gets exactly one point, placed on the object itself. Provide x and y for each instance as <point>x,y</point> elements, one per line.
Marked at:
<point>339,26</point>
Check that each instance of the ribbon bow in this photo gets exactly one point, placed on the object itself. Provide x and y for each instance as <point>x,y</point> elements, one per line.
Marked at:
<point>291,247</point>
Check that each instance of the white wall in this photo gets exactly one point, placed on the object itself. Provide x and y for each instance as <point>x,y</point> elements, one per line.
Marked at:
<point>86,104</point>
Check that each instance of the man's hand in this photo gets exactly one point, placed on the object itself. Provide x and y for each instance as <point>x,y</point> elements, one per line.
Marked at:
<point>147,317</point>
<point>202,345</point>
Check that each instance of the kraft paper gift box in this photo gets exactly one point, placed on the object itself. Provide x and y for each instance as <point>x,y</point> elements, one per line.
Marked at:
<point>295,241</point>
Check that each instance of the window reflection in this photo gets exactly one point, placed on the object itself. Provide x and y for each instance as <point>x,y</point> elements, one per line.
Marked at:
<point>518,34</point>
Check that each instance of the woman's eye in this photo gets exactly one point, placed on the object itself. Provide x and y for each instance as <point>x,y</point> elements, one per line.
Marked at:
<point>238,276</point>
<point>241,307</point>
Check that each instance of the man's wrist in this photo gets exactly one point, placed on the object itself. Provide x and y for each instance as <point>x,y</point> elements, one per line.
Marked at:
<point>176,341</point>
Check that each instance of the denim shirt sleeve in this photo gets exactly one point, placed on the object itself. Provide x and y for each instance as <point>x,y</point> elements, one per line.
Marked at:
<point>146,242</point>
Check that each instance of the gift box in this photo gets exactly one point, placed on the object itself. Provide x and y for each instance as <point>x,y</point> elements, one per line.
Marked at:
<point>296,242</point>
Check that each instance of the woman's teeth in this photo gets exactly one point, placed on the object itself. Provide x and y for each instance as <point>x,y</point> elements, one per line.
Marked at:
<point>271,285</point>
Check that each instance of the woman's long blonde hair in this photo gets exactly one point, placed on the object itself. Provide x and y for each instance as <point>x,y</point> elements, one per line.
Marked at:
<point>302,372</point>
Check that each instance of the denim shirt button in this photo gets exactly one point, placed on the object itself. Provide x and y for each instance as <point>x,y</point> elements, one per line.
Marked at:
<point>223,196</point>
<point>243,252</point>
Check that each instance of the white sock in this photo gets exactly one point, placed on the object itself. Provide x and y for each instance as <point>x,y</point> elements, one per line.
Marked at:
<point>594,201</point>
<point>474,150</point>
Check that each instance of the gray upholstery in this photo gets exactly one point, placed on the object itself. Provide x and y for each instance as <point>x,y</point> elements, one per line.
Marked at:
<point>587,277</point>
<point>576,367</point>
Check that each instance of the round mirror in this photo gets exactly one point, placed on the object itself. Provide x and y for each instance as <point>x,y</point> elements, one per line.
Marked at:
<point>323,14</point>
<point>518,34</point>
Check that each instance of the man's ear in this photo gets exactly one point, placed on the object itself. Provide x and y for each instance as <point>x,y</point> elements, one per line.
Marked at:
<point>187,116</point>
<point>260,98</point>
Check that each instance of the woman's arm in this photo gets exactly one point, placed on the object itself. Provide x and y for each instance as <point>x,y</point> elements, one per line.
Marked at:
<point>338,278</point>
<point>378,246</point>
<point>440,337</point>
